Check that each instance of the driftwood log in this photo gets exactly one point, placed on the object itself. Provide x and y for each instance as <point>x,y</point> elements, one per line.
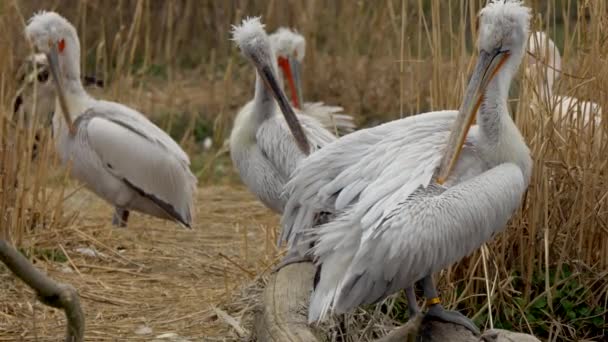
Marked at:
<point>49,292</point>
<point>283,316</point>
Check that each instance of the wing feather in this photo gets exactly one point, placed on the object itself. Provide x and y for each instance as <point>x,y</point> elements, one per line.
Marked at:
<point>138,152</point>
<point>331,117</point>
<point>402,154</point>
<point>419,234</point>
<point>140,122</point>
<point>276,141</point>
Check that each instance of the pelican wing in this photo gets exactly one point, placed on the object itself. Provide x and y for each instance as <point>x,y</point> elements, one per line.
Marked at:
<point>420,233</point>
<point>142,124</point>
<point>331,117</point>
<point>139,153</point>
<point>364,168</point>
<point>277,143</point>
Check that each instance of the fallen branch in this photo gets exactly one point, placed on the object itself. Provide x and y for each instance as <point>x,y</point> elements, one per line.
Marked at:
<point>49,292</point>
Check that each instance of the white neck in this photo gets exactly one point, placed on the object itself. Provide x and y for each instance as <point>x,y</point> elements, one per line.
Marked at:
<point>75,95</point>
<point>501,141</point>
<point>264,105</point>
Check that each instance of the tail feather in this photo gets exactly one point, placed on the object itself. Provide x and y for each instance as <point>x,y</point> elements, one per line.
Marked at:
<point>335,249</point>
<point>330,117</point>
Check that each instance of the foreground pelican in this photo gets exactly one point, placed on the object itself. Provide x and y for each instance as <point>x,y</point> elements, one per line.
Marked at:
<point>290,49</point>
<point>34,101</point>
<point>398,220</point>
<point>543,69</point>
<point>114,150</point>
<point>262,148</point>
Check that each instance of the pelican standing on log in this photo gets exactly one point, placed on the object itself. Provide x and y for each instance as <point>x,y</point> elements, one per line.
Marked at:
<point>114,150</point>
<point>290,49</point>
<point>406,203</point>
<point>264,146</point>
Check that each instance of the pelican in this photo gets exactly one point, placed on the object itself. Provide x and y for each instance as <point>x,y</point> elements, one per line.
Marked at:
<point>543,68</point>
<point>415,195</point>
<point>262,148</point>
<point>37,107</point>
<point>290,49</point>
<point>34,72</point>
<point>114,150</point>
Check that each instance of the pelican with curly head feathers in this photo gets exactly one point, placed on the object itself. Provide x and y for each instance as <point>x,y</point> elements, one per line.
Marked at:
<point>114,150</point>
<point>265,147</point>
<point>290,49</point>
<point>415,195</point>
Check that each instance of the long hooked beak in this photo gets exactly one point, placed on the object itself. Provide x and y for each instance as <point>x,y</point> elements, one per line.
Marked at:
<point>267,75</point>
<point>53,58</point>
<point>488,65</point>
<point>286,65</point>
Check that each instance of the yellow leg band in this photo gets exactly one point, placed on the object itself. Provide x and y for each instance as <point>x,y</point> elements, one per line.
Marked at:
<point>433,301</point>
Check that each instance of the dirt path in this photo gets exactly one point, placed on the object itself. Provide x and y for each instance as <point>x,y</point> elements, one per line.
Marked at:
<point>150,279</point>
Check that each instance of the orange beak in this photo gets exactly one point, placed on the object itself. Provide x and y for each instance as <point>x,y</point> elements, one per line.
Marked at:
<point>286,68</point>
<point>488,65</point>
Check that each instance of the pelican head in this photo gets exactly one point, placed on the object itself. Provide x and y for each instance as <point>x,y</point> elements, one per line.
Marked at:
<point>34,71</point>
<point>544,60</point>
<point>290,48</point>
<point>503,32</point>
<point>54,36</point>
<point>255,45</point>
<point>35,68</point>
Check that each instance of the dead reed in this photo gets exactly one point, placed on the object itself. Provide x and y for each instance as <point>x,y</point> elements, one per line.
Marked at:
<point>545,274</point>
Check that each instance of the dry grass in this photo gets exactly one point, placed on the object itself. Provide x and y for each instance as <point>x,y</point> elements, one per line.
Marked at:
<point>380,60</point>
<point>152,274</point>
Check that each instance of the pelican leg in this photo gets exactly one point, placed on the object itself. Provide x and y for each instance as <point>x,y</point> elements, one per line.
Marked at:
<point>437,312</point>
<point>411,301</point>
<point>120,217</point>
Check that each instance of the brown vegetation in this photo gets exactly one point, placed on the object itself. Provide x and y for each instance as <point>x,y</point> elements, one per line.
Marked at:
<point>379,60</point>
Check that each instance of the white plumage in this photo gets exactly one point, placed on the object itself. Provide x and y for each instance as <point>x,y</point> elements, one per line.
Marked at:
<point>262,148</point>
<point>543,68</point>
<point>290,49</point>
<point>114,150</point>
<point>34,101</point>
<point>395,223</point>
<point>35,107</point>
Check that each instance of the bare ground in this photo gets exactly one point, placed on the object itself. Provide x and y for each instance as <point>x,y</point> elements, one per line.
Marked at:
<point>149,280</point>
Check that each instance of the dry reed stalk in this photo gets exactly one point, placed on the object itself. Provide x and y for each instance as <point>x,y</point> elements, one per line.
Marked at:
<point>352,54</point>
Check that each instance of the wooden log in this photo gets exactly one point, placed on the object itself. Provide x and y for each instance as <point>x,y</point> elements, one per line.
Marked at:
<point>51,293</point>
<point>283,316</point>
<point>420,330</point>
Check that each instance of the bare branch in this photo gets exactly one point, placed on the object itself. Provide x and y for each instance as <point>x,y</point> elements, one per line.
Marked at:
<point>51,293</point>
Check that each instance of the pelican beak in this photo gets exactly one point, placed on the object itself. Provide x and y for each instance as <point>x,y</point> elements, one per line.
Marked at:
<point>488,65</point>
<point>265,71</point>
<point>296,69</point>
<point>286,66</point>
<point>53,58</point>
